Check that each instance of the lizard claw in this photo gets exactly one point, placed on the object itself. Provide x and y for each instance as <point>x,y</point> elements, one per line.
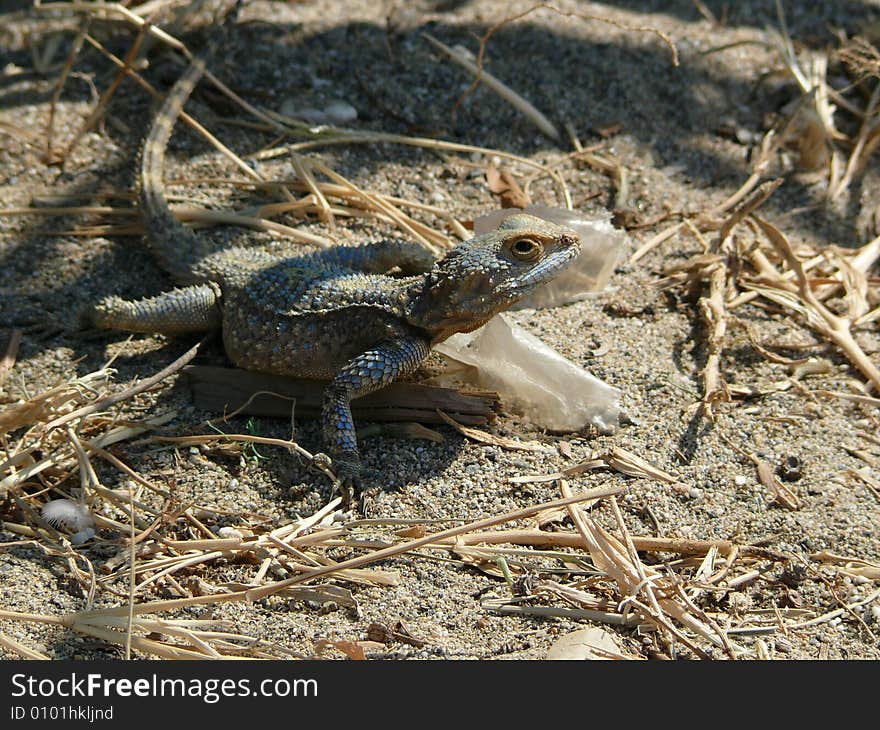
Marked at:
<point>321,461</point>
<point>346,466</point>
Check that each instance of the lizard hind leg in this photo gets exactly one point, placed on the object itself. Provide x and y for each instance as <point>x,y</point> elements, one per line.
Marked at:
<point>189,309</point>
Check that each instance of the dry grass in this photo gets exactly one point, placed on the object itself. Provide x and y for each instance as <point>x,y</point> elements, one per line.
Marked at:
<point>813,125</point>
<point>149,529</point>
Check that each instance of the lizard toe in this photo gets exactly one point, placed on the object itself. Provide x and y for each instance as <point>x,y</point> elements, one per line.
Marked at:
<point>347,465</point>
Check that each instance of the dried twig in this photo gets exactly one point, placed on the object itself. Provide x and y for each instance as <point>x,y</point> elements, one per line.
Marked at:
<point>503,90</point>
<point>816,314</point>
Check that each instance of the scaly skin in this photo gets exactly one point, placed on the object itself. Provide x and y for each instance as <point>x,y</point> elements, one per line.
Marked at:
<point>334,314</point>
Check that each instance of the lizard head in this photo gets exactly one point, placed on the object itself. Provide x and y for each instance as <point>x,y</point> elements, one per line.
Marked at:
<point>491,272</point>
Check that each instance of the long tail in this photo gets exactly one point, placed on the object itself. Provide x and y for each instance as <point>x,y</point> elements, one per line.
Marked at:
<point>176,247</point>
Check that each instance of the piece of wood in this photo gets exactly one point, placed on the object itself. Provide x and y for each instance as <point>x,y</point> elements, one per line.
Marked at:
<point>273,396</point>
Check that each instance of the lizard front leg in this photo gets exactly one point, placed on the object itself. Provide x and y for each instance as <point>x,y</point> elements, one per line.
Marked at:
<point>190,309</point>
<point>380,256</point>
<point>365,373</point>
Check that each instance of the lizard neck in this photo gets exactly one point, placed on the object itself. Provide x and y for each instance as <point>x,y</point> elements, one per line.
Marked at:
<point>441,307</point>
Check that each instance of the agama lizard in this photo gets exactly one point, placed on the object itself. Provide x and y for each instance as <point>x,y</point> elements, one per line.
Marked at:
<point>335,314</point>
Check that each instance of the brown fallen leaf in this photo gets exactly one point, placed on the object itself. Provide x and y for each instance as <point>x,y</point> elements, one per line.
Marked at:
<point>564,449</point>
<point>381,633</point>
<point>502,183</point>
<point>352,649</point>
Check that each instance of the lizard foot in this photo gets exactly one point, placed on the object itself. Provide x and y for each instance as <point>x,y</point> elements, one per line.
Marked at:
<point>347,481</point>
<point>346,465</point>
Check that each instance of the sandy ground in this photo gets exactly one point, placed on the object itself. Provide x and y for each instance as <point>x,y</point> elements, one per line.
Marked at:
<point>649,343</point>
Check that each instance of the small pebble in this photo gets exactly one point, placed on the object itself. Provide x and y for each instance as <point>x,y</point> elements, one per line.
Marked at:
<point>340,112</point>
<point>783,645</point>
<point>78,538</point>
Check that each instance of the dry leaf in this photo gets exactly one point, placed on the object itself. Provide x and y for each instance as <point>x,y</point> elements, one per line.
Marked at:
<point>322,594</point>
<point>549,516</point>
<point>872,484</point>
<point>352,649</point>
<point>592,643</point>
<point>501,182</point>
<point>402,430</point>
<point>628,463</point>
<point>379,632</point>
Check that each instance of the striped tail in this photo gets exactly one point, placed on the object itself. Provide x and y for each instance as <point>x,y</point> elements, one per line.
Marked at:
<point>176,247</point>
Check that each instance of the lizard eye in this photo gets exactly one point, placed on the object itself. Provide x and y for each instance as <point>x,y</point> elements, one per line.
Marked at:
<point>526,249</point>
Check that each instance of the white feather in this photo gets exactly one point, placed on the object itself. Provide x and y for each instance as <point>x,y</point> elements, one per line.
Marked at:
<point>67,513</point>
